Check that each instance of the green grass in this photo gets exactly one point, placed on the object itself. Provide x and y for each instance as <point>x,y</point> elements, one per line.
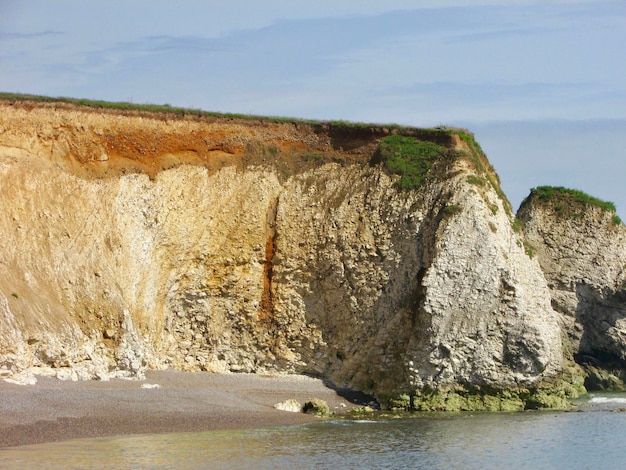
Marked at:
<point>165,108</point>
<point>409,152</point>
<point>483,167</point>
<point>181,111</point>
<point>529,249</point>
<point>518,225</point>
<point>362,125</point>
<point>408,157</point>
<point>452,209</point>
<point>547,193</point>
<point>469,139</point>
<point>148,107</point>
<point>563,198</point>
<point>477,180</point>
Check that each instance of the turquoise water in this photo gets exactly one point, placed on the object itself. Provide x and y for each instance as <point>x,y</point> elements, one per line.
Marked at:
<point>595,438</point>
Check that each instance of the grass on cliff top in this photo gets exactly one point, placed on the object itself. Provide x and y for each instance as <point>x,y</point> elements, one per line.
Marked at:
<point>408,157</point>
<point>127,106</point>
<point>437,133</point>
<point>180,111</point>
<point>482,166</point>
<point>409,151</point>
<point>560,196</point>
<point>412,158</point>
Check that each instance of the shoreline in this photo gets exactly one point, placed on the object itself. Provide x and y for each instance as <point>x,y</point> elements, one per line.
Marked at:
<point>55,410</point>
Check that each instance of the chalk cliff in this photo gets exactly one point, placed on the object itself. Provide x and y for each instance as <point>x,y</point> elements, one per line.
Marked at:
<point>581,247</point>
<point>136,240</point>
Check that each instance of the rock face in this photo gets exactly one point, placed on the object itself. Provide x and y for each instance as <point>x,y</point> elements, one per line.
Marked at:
<point>135,240</point>
<point>582,252</point>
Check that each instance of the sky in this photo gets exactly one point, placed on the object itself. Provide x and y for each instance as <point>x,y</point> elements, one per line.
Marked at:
<point>542,84</point>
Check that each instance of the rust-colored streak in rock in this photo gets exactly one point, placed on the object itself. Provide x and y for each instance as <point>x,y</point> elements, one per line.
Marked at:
<point>267,299</point>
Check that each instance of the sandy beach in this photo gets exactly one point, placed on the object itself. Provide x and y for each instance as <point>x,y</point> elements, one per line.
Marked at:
<point>55,410</point>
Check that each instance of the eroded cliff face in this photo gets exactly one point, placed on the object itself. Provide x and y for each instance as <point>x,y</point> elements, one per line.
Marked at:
<point>582,251</point>
<point>134,240</point>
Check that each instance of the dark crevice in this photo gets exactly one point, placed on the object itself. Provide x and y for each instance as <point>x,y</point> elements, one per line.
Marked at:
<point>267,298</point>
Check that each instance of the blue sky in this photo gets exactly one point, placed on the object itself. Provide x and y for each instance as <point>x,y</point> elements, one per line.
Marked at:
<point>541,83</point>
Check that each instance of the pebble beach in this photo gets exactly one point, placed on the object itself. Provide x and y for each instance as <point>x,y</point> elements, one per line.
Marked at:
<point>166,401</point>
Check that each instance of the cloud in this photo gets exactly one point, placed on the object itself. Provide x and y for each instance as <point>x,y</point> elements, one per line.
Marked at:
<point>165,43</point>
<point>36,35</point>
<point>522,59</point>
<point>414,62</point>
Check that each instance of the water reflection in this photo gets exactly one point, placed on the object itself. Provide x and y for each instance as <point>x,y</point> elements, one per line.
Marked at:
<point>468,441</point>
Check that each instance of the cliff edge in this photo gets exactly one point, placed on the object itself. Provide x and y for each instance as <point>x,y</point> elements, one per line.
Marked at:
<point>383,259</point>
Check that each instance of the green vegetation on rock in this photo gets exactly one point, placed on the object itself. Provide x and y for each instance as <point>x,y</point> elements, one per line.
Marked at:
<point>547,193</point>
<point>362,410</point>
<point>556,394</point>
<point>452,209</point>
<point>564,198</point>
<point>409,157</point>
<point>529,248</point>
<point>477,180</point>
<point>604,380</point>
<point>399,403</point>
<point>182,112</point>
<point>144,107</point>
<point>518,225</point>
<point>514,400</point>
<point>316,406</point>
<point>483,167</point>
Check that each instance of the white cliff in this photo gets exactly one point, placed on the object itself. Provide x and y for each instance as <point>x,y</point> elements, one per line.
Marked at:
<point>134,241</point>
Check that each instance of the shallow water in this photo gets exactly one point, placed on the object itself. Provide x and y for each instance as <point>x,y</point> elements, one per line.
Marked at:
<point>533,440</point>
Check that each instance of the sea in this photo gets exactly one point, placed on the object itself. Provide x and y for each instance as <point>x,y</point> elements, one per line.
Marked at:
<point>592,435</point>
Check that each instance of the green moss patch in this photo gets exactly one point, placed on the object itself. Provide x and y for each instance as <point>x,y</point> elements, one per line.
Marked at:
<point>408,157</point>
<point>473,179</point>
<point>460,398</point>
<point>452,209</point>
<point>316,406</point>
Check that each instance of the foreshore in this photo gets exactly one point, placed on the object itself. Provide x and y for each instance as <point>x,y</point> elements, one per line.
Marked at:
<point>166,401</point>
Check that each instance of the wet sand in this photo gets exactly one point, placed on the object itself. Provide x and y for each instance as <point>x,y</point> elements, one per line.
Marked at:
<point>55,410</point>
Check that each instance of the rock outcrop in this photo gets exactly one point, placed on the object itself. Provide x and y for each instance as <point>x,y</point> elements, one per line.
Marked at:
<point>581,247</point>
<point>136,240</point>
